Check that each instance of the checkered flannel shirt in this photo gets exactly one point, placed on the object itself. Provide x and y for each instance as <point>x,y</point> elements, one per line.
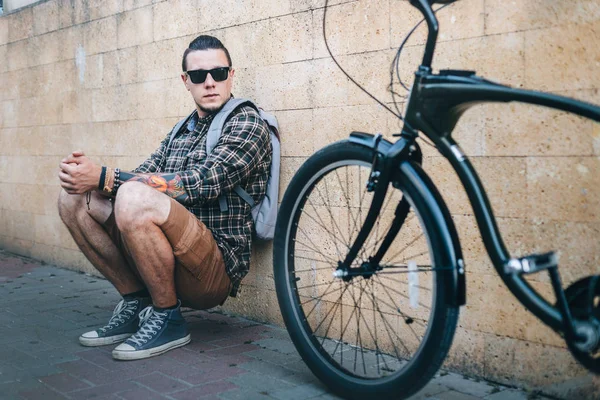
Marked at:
<point>241,157</point>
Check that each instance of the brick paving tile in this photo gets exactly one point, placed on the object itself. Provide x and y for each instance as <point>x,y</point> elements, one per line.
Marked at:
<point>42,393</point>
<point>213,374</point>
<point>64,382</point>
<point>298,366</point>
<point>97,355</point>
<point>204,390</point>
<point>102,390</point>
<point>508,395</point>
<point>233,350</point>
<point>327,396</point>
<point>149,364</point>
<point>182,372</point>
<point>301,379</point>
<point>460,384</point>
<point>301,392</point>
<point>453,395</point>
<point>243,338</point>
<point>246,394</point>
<point>17,359</point>
<point>186,355</point>
<point>431,389</point>
<point>8,373</point>
<point>231,360</point>
<point>259,382</point>
<point>266,368</point>
<point>32,346</point>
<point>278,345</point>
<point>199,346</point>
<point>80,368</point>
<point>272,356</point>
<point>54,356</point>
<point>161,383</point>
<point>140,393</point>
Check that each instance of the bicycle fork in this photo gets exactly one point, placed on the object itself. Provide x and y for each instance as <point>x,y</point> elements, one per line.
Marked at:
<point>381,173</point>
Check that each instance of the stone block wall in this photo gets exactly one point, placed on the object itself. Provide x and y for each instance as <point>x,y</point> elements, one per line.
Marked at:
<point>103,76</point>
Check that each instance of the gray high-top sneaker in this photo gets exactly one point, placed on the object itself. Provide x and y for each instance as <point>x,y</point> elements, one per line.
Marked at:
<point>160,331</point>
<point>123,323</point>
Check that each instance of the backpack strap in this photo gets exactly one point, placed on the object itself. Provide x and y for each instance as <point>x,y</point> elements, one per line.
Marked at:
<point>217,124</point>
<point>212,138</point>
<point>244,195</point>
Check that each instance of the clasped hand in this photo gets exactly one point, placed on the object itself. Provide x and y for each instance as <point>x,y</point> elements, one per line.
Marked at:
<point>78,174</point>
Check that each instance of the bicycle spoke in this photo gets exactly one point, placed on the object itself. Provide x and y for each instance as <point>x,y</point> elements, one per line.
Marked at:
<point>402,314</point>
<point>328,206</point>
<point>403,295</point>
<point>314,246</point>
<point>326,229</point>
<point>317,298</point>
<point>390,337</point>
<point>406,247</point>
<point>402,282</point>
<point>310,270</point>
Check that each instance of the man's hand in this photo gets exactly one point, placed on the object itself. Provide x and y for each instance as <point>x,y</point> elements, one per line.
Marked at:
<point>78,174</point>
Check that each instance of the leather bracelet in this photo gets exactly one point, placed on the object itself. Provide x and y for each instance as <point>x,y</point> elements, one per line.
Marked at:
<point>102,178</point>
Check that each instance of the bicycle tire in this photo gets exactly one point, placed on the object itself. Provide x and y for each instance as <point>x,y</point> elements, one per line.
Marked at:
<point>423,361</point>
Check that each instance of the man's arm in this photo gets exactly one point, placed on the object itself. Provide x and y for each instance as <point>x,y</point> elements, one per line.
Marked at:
<point>230,162</point>
<point>78,175</point>
<point>169,184</point>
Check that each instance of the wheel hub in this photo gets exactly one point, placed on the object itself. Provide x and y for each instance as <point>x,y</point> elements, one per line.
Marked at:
<point>366,270</point>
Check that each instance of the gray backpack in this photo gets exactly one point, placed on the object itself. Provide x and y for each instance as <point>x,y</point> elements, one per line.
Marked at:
<point>264,213</point>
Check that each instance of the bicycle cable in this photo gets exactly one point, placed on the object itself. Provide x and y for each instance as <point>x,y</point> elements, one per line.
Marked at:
<point>344,71</point>
<point>395,62</point>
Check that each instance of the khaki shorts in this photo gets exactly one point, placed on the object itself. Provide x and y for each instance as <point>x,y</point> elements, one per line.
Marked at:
<point>201,281</point>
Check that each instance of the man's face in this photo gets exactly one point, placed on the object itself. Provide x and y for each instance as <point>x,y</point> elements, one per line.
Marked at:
<point>209,95</point>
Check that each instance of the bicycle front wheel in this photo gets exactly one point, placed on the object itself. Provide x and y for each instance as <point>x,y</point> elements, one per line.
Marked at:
<point>384,333</point>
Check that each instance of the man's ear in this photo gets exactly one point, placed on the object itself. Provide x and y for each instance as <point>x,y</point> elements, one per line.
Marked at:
<point>184,78</point>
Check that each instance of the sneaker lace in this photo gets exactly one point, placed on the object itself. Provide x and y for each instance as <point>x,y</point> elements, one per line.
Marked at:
<point>122,313</point>
<point>150,323</point>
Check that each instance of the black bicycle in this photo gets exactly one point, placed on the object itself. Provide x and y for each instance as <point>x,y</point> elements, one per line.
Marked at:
<point>368,266</point>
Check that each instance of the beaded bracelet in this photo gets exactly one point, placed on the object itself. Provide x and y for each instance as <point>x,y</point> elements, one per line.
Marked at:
<point>117,182</point>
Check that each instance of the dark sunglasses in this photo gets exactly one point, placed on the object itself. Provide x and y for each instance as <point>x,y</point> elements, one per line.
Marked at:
<point>218,74</point>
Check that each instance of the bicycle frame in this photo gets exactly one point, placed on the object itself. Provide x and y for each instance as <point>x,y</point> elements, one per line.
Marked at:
<point>434,107</point>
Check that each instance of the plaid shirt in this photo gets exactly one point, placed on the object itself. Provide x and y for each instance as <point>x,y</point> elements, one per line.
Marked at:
<point>242,157</point>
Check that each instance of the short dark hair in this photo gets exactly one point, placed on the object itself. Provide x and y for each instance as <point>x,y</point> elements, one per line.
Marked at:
<point>204,42</point>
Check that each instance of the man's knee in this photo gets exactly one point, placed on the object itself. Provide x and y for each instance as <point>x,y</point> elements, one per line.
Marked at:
<point>73,208</point>
<point>68,204</point>
<point>133,205</point>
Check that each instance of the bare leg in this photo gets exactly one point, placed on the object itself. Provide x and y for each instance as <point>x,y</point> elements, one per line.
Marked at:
<point>140,211</point>
<point>93,240</point>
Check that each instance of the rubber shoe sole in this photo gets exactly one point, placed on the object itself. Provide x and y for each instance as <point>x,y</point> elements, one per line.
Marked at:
<point>103,341</point>
<point>139,354</point>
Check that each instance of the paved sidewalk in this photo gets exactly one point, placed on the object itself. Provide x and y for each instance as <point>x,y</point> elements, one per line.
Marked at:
<point>43,310</point>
